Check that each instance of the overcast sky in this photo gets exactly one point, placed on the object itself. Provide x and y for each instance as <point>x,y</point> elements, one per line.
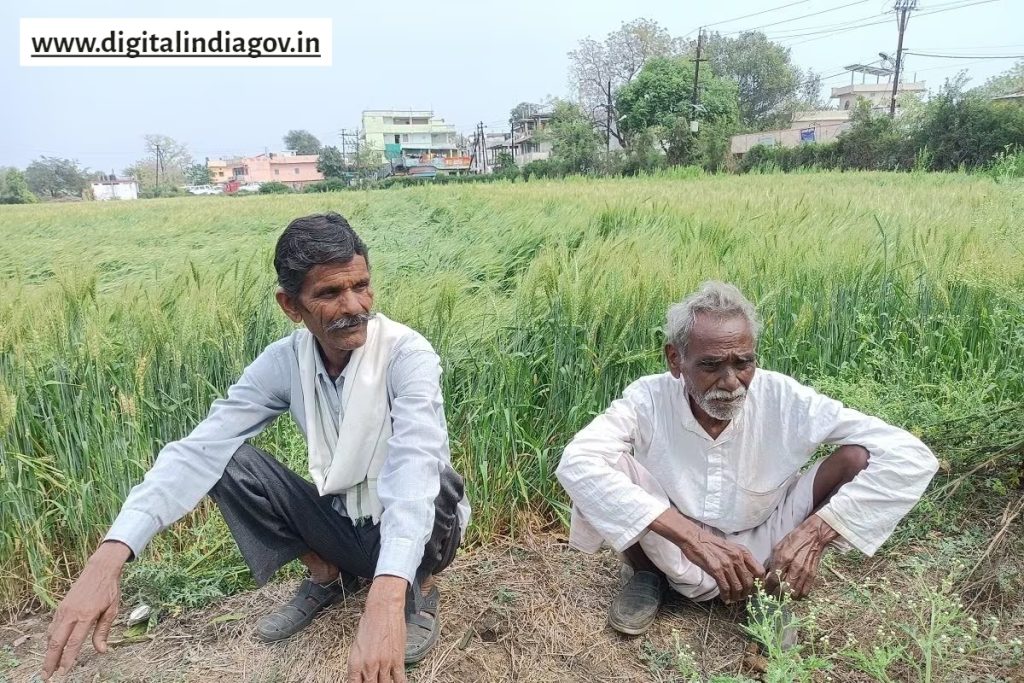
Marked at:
<point>468,60</point>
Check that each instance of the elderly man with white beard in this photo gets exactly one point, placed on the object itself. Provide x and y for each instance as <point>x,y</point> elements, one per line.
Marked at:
<point>696,475</point>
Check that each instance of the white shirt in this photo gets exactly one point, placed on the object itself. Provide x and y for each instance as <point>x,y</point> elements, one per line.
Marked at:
<point>735,481</point>
<point>409,481</point>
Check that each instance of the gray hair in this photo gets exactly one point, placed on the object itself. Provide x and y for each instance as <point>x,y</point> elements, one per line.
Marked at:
<point>720,299</point>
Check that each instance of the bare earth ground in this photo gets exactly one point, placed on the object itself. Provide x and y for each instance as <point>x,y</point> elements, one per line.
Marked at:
<point>531,612</point>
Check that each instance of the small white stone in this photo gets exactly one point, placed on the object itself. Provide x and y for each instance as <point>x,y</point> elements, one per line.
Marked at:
<point>139,615</point>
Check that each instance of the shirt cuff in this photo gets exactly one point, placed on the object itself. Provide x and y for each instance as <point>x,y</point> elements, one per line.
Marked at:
<point>653,509</point>
<point>135,529</point>
<point>399,557</point>
<point>848,535</point>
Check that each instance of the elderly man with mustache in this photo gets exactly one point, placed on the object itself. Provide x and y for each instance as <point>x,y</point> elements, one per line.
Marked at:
<point>384,503</point>
<point>696,475</point>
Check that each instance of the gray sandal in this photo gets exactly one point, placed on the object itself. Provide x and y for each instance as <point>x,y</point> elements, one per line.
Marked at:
<point>309,600</point>
<point>421,631</point>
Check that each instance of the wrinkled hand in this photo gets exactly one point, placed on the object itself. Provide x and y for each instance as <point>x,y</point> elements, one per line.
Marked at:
<point>378,652</point>
<point>793,565</point>
<point>731,565</point>
<point>92,601</point>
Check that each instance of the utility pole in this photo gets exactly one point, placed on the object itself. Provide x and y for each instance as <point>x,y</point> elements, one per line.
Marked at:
<point>903,8</point>
<point>483,146</point>
<point>344,134</point>
<point>158,169</point>
<point>696,80</point>
<point>608,120</point>
<point>512,137</point>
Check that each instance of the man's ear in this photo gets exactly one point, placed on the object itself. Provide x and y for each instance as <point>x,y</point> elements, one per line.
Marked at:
<point>288,305</point>
<point>674,360</point>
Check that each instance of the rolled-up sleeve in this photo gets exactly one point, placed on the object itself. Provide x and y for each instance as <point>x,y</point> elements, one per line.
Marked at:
<point>410,478</point>
<point>618,509</point>
<point>866,510</point>
<point>186,470</point>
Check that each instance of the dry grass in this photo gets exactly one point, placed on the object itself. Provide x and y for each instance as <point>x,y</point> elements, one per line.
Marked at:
<point>532,613</point>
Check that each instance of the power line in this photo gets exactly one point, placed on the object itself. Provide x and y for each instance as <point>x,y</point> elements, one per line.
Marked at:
<point>925,54</point>
<point>806,30</point>
<point>754,14</point>
<point>833,32</point>
<point>803,16</point>
<point>972,47</point>
<point>820,35</point>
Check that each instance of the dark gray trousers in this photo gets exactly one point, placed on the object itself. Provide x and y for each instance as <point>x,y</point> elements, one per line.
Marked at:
<point>276,516</point>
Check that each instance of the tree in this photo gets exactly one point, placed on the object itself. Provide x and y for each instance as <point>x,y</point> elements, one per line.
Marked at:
<point>657,106</point>
<point>302,141</point>
<point>574,143</point>
<point>662,92</point>
<point>331,162</point>
<point>524,110</point>
<point>14,188</point>
<point>198,174</point>
<point>1010,81</point>
<point>768,81</point>
<point>966,128</point>
<point>598,69</point>
<point>367,163</point>
<point>505,166</point>
<point>53,177</point>
<point>163,166</point>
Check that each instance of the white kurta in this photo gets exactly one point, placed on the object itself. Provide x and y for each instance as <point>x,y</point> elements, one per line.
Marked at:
<point>735,482</point>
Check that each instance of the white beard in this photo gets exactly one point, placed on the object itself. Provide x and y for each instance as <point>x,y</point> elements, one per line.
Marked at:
<point>712,403</point>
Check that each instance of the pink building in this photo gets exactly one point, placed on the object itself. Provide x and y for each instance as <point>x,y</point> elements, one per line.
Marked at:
<point>294,170</point>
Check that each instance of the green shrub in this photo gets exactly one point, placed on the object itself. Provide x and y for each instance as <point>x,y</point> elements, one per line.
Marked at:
<point>274,188</point>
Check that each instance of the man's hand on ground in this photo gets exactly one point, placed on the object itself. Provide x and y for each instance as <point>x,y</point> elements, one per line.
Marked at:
<point>92,601</point>
<point>378,652</point>
<point>731,565</point>
<point>796,557</point>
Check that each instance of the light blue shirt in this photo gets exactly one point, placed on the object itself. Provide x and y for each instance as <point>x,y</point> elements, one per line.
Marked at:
<point>409,481</point>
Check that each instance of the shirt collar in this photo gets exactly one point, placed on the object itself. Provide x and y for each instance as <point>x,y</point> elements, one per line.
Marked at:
<point>321,369</point>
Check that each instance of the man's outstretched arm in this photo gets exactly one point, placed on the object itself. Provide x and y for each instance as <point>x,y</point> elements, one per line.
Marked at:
<point>183,473</point>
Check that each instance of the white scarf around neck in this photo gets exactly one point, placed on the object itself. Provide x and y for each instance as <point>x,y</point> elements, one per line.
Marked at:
<point>347,461</point>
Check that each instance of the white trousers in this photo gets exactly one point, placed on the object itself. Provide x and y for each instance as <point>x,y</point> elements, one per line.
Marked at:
<point>687,578</point>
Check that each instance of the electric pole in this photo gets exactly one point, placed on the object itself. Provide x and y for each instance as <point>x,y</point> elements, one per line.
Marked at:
<point>608,120</point>
<point>696,80</point>
<point>903,8</point>
<point>483,146</point>
<point>512,137</point>
<point>157,169</point>
<point>344,134</point>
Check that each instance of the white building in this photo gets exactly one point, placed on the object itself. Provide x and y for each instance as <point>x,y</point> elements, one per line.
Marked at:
<point>107,190</point>
<point>825,125</point>
<point>408,133</point>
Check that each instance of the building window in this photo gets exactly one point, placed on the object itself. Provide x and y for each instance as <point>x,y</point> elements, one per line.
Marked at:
<point>277,171</point>
<point>296,170</point>
<point>220,174</point>
<point>398,139</point>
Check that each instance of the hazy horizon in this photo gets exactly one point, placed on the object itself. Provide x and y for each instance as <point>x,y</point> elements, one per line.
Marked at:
<point>467,62</point>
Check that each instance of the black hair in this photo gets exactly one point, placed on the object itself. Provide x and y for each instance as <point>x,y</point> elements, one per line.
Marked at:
<point>312,241</point>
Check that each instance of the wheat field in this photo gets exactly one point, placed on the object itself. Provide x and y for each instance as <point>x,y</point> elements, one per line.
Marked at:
<point>119,322</point>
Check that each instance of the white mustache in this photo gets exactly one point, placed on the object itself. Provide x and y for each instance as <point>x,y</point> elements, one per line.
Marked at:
<point>347,321</point>
<point>723,395</point>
